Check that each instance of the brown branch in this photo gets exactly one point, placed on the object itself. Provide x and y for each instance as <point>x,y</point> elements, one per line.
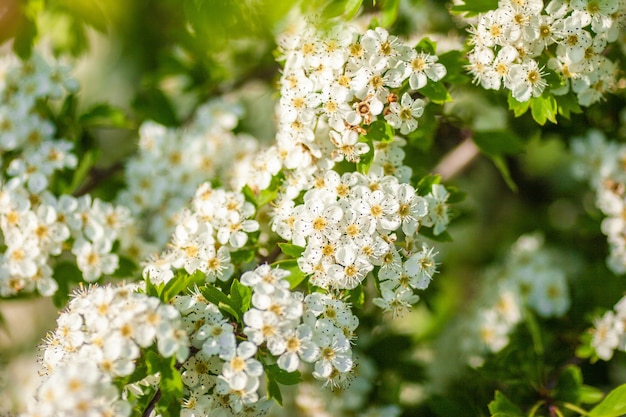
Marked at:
<point>457,159</point>
<point>97,176</point>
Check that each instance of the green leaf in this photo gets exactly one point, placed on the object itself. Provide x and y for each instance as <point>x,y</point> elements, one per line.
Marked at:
<point>455,62</point>
<point>474,7</point>
<point>352,8</point>
<point>221,300</point>
<point>425,185</point>
<point>543,108</point>
<point>241,296</point>
<point>436,92</point>
<point>174,286</point>
<point>501,406</point>
<point>296,275</point>
<point>283,377</point>
<point>568,104</point>
<point>441,237</point>
<point>291,250</point>
<point>151,289</point>
<point>171,381</point>
<point>85,164</point>
<point>497,142</point>
<point>589,394</point>
<point>153,104</point>
<point>389,12</point>
<point>104,115</point>
<point>518,107</point>
<point>568,386</point>
<point>333,9</point>
<point>614,405</point>
<point>249,195</point>
<point>426,45</point>
<point>501,165</point>
<point>363,166</point>
<point>241,256</point>
<point>273,391</point>
<point>380,131</point>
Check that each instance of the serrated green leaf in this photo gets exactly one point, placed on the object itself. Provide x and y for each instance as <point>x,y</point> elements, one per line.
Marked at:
<point>436,92</point>
<point>502,406</point>
<point>104,115</point>
<point>543,108</point>
<point>518,107</point>
<point>498,142</point>
<point>291,250</point>
<point>613,405</point>
<point>174,286</point>
<point>152,289</point>
<point>474,7</point>
<point>171,383</point>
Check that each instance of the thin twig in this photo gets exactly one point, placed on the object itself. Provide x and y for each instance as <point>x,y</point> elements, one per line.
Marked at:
<point>97,176</point>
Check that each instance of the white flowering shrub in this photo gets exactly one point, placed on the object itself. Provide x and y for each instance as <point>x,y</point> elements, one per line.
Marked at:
<point>254,208</point>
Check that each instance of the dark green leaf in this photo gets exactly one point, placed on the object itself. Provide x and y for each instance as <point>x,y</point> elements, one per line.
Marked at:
<point>497,142</point>
<point>241,296</point>
<point>455,62</point>
<point>104,115</point>
<point>273,391</point>
<point>589,394</point>
<point>249,195</point>
<point>126,268</point>
<point>221,300</point>
<point>283,377</point>
<point>569,384</point>
<point>501,406</point>
<point>613,405</point>
<point>152,104</point>
<point>291,250</point>
<point>502,166</point>
<point>241,256</point>
<point>425,185</point>
<point>568,104</point>
<point>151,289</point>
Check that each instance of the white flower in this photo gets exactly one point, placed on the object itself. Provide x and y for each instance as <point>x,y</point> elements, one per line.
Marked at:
<point>403,115</point>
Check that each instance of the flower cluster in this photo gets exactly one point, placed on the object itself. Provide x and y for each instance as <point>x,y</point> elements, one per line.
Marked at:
<point>601,163</point>
<point>347,226</point>
<point>38,228</point>
<point>98,338</point>
<point>513,44</point>
<point>609,333</point>
<point>171,163</point>
<point>336,84</point>
<point>218,222</point>
<point>531,277</point>
<point>25,132</point>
